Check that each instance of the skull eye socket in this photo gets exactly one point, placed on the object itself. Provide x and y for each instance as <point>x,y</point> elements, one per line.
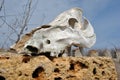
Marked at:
<point>32,49</point>
<point>48,41</point>
<point>72,22</point>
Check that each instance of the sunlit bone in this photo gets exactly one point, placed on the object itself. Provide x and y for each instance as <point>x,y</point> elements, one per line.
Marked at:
<point>68,29</point>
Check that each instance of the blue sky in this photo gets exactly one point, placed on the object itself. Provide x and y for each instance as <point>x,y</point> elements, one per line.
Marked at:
<point>104,15</point>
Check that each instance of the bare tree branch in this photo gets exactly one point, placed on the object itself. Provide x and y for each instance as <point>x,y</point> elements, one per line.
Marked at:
<point>25,19</point>
<point>17,27</point>
<point>10,26</point>
<point>1,7</point>
<point>1,4</point>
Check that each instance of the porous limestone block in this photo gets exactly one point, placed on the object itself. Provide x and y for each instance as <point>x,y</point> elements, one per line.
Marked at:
<point>19,67</point>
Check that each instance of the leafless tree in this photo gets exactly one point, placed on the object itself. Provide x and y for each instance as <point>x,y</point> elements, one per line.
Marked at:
<point>19,26</point>
<point>25,19</point>
<point>1,4</point>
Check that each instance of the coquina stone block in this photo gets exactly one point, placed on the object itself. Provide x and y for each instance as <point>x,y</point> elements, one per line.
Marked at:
<point>24,67</point>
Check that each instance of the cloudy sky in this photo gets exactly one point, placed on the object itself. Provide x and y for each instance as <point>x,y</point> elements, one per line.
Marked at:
<point>104,15</point>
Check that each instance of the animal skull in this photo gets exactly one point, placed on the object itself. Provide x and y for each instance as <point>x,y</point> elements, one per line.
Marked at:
<point>69,28</point>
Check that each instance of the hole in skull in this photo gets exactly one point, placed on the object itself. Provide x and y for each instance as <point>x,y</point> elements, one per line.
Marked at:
<point>85,24</point>
<point>58,78</point>
<point>2,78</point>
<point>94,71</point>
<point>37,71</point>
<point>45,26</point>
<point>48,41</point>
<point>32,49</point>
<point>59,55</point>
<point>34,54</point>
<point>72,22</point>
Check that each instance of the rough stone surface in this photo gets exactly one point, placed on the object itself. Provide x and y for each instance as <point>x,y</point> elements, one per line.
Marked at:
<point>19,67</point>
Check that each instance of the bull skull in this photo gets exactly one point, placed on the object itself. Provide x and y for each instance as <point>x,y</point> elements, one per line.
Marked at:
<point>69,28</point>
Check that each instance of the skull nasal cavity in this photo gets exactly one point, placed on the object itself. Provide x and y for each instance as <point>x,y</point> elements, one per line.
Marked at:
<point>32,49</point>
<point>72,22</point>
<point>48,41</point>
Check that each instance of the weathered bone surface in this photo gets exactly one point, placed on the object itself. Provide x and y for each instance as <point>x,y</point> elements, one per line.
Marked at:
<point>69,28</point>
